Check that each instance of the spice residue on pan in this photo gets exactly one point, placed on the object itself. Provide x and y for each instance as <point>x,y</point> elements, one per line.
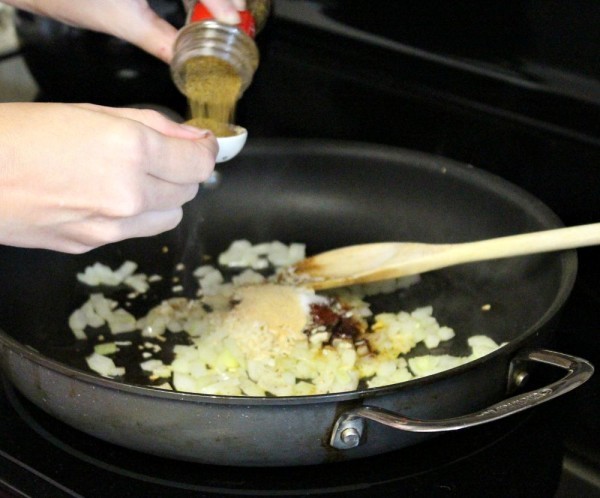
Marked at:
<point>250,335</point>
<point>279,309</point>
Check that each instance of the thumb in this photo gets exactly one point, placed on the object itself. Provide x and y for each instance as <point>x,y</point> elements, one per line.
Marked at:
<point>154,35</point>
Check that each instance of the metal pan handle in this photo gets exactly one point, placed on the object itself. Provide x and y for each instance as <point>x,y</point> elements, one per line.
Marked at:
<point>348,430</point>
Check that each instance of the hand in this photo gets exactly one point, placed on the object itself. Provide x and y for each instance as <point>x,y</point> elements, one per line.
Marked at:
<point>131,20</point>
<point>77,176</point>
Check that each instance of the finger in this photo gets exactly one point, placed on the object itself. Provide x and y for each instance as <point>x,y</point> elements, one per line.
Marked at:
<point>160,195</point>
<point>151,33</point>
<point>223,11</point>
<point>239,4</point>
<point>178,153</point>
<point>81,236</point>
<point>181,161</point>
<point>95,232</point>
<point>153,119</point>
<point>144,225</point>
<point>158,40</point>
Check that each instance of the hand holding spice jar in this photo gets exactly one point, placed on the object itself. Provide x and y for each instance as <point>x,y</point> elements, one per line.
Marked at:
<point>77,176</point>
<point>214,62</point>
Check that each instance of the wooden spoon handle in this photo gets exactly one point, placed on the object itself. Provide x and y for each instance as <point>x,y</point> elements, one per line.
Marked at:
<point>526,243</point>
<point>385,260</point>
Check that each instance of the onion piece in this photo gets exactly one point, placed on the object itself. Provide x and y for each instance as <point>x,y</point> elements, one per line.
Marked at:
<point>104,366</point>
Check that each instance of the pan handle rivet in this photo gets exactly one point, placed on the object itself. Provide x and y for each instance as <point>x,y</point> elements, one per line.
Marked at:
<point>520,378</point>
<point>350,436</point>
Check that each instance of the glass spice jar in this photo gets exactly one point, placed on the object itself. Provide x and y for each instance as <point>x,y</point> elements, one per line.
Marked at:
<point>203,36</point>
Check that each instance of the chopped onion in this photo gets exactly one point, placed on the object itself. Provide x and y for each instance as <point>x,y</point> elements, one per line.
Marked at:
<point>237,351</point>
<point>104,366</point>
<point>100,274</point>
<point>106,348</point>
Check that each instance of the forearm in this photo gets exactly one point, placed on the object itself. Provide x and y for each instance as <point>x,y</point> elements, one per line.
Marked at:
<point>63,10</point>
<point>131,20</point>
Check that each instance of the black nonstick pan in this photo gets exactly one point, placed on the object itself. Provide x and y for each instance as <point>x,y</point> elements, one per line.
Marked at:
<point>325,194</point>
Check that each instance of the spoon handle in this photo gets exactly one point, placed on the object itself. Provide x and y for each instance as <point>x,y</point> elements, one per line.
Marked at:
<point>526,243</point>
<point>386,260</point>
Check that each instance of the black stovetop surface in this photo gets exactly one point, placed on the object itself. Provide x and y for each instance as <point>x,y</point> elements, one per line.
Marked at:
<point>513,106</point>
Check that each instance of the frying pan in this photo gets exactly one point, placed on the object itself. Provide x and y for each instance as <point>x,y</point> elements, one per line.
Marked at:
<point>325,194</point>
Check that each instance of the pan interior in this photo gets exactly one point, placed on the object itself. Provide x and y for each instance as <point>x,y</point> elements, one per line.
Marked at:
<point>325,195</point>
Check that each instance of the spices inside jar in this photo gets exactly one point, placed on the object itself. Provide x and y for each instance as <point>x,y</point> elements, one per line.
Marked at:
<point>213,87</point>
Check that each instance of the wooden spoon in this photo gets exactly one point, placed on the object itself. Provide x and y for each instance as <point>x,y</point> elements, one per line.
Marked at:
<point>381,261</point>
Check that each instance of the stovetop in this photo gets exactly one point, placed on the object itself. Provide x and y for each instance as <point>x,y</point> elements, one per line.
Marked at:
<point>517,105</point>
<point>40,456</point>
